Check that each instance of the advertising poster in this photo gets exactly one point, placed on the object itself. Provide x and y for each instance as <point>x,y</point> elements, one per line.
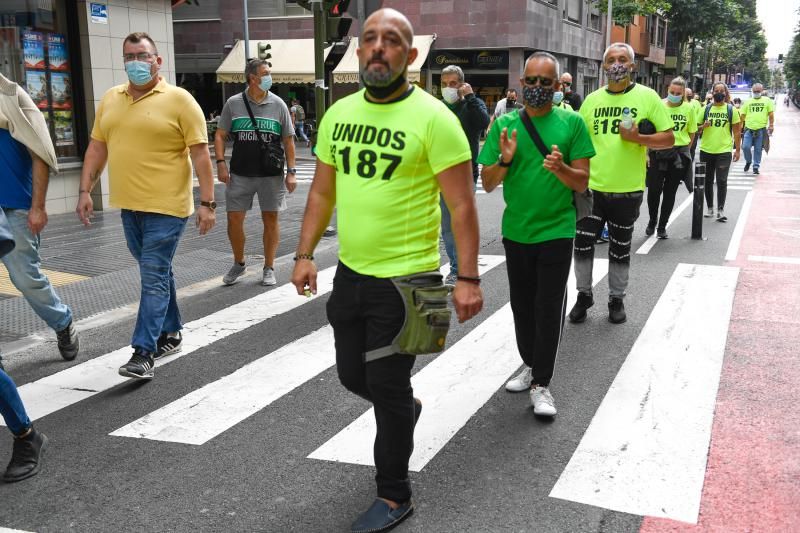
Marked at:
<point>61,89</point>
<point>63,128</point>
<point>57,52</point>
<point>36,85</point>
<point>33,49</point>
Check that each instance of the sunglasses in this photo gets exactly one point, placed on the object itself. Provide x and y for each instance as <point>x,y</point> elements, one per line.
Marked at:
<point>567,83</point>
<point>532,80</point>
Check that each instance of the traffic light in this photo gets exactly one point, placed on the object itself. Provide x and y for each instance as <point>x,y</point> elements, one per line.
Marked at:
<point>263,52</point>
<point>336,26</point>
<point>780,58</point>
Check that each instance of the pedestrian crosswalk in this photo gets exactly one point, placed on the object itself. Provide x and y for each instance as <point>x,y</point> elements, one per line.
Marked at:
<point>739,180</point>
<point>455,385</point>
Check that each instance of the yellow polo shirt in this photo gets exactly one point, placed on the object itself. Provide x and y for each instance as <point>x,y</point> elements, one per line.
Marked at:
<point>148,142</point>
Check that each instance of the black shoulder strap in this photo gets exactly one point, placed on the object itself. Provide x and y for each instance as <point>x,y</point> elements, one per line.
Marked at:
<point>705,115</point>
<point>730,117</point>
<point>535,137</point>
<point>252,117</point>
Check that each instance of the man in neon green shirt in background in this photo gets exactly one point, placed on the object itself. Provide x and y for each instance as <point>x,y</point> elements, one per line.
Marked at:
<point>755,114</point>
<point>539,219</point>
<point>383,155</point>
<point>617,177</point>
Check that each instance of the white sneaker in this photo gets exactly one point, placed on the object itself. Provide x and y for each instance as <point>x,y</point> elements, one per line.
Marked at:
<point>268,278</point>
<point>709,213</point>
<point>521,382</point>
<point>542,402</point>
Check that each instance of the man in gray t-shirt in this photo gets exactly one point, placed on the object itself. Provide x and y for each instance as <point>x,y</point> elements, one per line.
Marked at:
<point>251,172</point>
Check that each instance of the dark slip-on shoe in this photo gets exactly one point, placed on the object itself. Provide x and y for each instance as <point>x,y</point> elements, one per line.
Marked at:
<point>381,517</point>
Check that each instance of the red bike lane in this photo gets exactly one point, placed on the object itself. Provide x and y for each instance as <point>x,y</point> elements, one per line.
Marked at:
<point>752,480</point>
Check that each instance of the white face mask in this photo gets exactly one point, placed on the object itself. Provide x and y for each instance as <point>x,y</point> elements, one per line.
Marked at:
<point>450,94</point>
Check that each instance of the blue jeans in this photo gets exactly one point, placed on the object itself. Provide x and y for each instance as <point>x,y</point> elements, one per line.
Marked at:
<point>152,240</point>
<point>11,406</point>
<point>300,131</point>
<point>23,265</point>
<point>447,236</point>
<point>753,139</point>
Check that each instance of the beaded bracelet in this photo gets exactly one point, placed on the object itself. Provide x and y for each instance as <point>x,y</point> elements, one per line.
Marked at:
<point>310,257</point>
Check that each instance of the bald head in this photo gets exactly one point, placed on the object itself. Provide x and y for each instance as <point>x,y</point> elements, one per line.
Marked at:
<point>393,17</point>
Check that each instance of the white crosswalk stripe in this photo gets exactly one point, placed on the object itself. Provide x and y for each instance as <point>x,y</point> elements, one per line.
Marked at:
<point>205,413</point>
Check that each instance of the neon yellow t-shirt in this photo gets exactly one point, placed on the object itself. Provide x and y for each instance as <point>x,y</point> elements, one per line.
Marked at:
<point>698,111</point>
<point>148,147</point>
<point>717,136</point>
<point>564,105</point>
<point>387,157</point>
<point>756,111</point>
<point>620,166</point>
<point>683,118</point>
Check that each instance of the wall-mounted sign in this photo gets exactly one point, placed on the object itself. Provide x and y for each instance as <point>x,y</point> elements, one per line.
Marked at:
<point>99,13</point>
<point>471,59</point>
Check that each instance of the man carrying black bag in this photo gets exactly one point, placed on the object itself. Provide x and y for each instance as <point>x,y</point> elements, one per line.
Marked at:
<point>263,138</point>
<point>541,155</point>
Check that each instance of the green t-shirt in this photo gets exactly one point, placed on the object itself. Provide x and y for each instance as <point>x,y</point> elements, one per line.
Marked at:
<point>756,111</point>
<point>620,166</point>
<point>387,157</point>
<point>538,206</point>
<point>683,118</point>
<point>717,136</point>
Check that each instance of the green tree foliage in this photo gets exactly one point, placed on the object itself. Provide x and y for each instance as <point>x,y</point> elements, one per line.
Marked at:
<point>791,63</point>
<point>625,10</point>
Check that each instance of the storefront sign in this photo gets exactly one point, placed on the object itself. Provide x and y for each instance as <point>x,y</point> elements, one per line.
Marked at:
<point>99,13</point>
<point>471,59</point>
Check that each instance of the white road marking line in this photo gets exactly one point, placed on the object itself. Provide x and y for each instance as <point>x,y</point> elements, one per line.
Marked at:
<point>645,450</point>
<point>62,389</point>
<point>207,412</point>
<point>9,530</point>
<point>651,241</point>
<point>737,188</point>
<point>452,388</point>
<point>738,231</point>
<point>774,259</point>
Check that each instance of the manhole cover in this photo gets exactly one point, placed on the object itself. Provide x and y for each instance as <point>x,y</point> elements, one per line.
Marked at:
<point>790,191</point>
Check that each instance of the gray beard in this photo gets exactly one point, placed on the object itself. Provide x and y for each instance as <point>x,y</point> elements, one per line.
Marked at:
<point>377,79</point>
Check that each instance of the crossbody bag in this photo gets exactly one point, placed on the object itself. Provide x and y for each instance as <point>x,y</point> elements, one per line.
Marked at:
<point>272,158</point>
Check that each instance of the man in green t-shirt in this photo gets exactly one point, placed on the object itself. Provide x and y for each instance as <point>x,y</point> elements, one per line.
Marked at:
<point>617,177</point>
<point>539,218</point>
<point>755,114</point>
<point>383,155</point>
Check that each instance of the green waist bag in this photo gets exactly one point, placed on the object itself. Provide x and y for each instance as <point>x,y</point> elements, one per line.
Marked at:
<point>427,316</point>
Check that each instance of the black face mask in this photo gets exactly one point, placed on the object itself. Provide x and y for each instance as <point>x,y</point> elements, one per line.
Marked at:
<point>511,102</point>
<point>718,97</point>
<point>382,92</point>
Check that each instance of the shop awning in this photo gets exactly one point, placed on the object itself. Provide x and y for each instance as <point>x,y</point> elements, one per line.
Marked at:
<point>347,69</point>
<point>292,61</point>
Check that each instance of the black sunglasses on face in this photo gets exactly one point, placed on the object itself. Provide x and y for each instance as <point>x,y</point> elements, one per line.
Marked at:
<point>532,80</point>
<point>567,83</point>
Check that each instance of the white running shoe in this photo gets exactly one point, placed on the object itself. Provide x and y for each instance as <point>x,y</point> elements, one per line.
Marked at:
<point>521,381</point>
<point>709,213</point>
<point>542,401</point>
<point>268,277</point>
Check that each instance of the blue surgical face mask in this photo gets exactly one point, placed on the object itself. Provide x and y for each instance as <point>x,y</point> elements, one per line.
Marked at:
<point>138,72</point>
<point>266,82</point>
<point>558,96</point>
<point>756,94</point>
<point>674,98</point>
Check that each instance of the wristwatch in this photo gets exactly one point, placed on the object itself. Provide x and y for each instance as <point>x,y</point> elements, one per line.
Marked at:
<point>291,170</point>
<point>502,163</point>
<point>211,205</point>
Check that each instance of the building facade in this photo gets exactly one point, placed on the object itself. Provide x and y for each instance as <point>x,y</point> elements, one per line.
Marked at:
<point>648,37</point>
<point>489,40</point>
<point>66,54</point>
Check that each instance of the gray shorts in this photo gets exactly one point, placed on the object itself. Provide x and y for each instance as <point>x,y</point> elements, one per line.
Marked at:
<point>240,191</point>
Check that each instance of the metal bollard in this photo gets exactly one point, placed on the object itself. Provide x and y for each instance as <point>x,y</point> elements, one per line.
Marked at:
<point>697,207</point>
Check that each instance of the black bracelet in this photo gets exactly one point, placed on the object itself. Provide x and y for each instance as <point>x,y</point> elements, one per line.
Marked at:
<point>220,161</point>
<point>310,257</point>
<point>469,279</point>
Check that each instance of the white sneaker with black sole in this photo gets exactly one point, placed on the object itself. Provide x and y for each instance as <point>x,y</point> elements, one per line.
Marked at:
<point>542,401</point>
<point>521,382</point>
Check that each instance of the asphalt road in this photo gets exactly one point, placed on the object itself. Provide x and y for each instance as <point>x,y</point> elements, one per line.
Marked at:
<point>495,474</point>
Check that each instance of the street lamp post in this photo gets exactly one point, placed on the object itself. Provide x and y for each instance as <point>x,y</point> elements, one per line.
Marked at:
<point>246,33</point>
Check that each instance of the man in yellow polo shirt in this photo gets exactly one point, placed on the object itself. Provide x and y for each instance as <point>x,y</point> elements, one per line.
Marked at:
<point>150,133</point>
